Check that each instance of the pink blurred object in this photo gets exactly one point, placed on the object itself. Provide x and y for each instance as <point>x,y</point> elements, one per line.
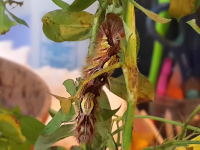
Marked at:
<point>164,76</point>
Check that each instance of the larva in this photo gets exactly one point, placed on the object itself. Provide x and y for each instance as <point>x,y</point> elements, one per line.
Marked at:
<point>107,50</point>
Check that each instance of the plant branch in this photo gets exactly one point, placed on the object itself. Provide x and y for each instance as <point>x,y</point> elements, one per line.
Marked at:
<point>181,135</point>
<point>130,74</point>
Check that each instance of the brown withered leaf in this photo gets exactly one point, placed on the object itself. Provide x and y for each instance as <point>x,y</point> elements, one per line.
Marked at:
<point>65,103</point>
<point>145,88</point>
<point>181,8</point>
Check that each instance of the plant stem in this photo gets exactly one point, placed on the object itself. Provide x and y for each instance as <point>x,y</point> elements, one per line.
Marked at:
<point>181,135</point>
<point>161,120</point>
<point>130,74</point>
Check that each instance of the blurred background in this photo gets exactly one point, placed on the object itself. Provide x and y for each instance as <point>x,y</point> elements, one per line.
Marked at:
<point>169,55</point>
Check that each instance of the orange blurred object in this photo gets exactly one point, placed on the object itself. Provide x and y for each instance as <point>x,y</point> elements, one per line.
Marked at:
<point>138,142</point>
<point>174,87</point>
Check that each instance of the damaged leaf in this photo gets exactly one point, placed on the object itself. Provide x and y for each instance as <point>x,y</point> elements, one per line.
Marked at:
<point>60,26</point>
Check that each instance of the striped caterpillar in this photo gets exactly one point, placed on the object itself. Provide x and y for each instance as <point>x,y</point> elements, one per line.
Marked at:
<point>107,50</point>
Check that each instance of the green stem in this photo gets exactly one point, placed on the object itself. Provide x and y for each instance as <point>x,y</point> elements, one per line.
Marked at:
<point>161,120</point>
<point>181,135</point>
<point>95,28</point>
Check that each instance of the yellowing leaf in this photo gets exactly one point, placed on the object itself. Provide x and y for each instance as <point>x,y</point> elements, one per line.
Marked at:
<point>193,24</point>
<point>10,128</point>
<point>181,8</point>
<point>150,14</point>
<point>65,103</point>
<point>145,88</point>
<point>60,25</point>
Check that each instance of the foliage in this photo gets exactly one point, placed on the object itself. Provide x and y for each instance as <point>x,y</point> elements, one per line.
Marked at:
<point>71,23</point>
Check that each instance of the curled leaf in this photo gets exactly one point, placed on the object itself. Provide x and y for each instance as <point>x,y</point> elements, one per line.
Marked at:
<point>10,128</point>
<point>65,103</point>
<point>193,24</point>
<point>150,14</point>
<point>60,25</point>
<point>181,8</point>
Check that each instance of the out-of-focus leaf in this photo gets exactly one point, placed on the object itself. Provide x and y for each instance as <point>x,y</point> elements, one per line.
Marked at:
<point>56,121</point>
<point>181,8</point>
<point>18,20</point>
<point>57,148</point>
<point>62,26</point>
<point>116,10</point>
<point>79,5</point>
<point>16,111</point>
<point>31,128</point>
<point>44,142</point>
<point>65,103</point>
<point>70,86</point>
<point>52,112</point>
<point>24,146</point>
<point>61,4</point>
<point>75,148</point>
<point>10,128</point>
<point>4,145</point>
<point>5,22</point>
<point>193,24</point>
<point>107,113</point>
<point>145,88</point>
<point>150,14</point>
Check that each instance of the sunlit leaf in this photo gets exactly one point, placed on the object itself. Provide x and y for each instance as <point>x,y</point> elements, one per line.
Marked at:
<point>181,8</point>
<point>31,128</point>
<point>70,86</point>
<point>150,14</point>
<point>193,24</point>
<point>79,5</point>
<point>62,26</point>
<point>145,88</point>
<point>56,121</point>
<point>10,128</point>
<point>18,20</point>
<point>65,103</point>
<point>44,142</point>
<point>5,22</point>
<point>61,4</point>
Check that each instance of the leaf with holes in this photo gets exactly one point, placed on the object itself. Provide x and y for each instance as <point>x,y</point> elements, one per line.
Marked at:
<point>181,8</point>
<point>60,26</point>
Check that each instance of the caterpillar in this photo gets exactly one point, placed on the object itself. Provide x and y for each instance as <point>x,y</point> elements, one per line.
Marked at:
<point>106,54</point>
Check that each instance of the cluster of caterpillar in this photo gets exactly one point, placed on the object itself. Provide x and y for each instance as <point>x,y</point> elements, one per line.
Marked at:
<point>106,54</point>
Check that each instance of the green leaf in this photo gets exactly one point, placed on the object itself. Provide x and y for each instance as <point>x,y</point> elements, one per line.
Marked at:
<point>79,5</point>
<point>181,8</point>
<point>24,146</point>
<point>145,88</point>
<point>150,14</point>
<point>193,24</point>
<point>61,4</point>
<point>70,86</point>
<point>31,128</point>
<point>18,20</point>
<point>5,22</point>
<point>75,148</point>
<point>107,113</point>
<point>16,111</point>
<point>11,128</point>
<point>4,145</point>
<point>56,121</point>
<point>52,112</point>
<point>44,142</point>
<point>62,26</point>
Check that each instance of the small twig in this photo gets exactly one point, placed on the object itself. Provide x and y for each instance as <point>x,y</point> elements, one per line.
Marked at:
<point>181,135</point>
